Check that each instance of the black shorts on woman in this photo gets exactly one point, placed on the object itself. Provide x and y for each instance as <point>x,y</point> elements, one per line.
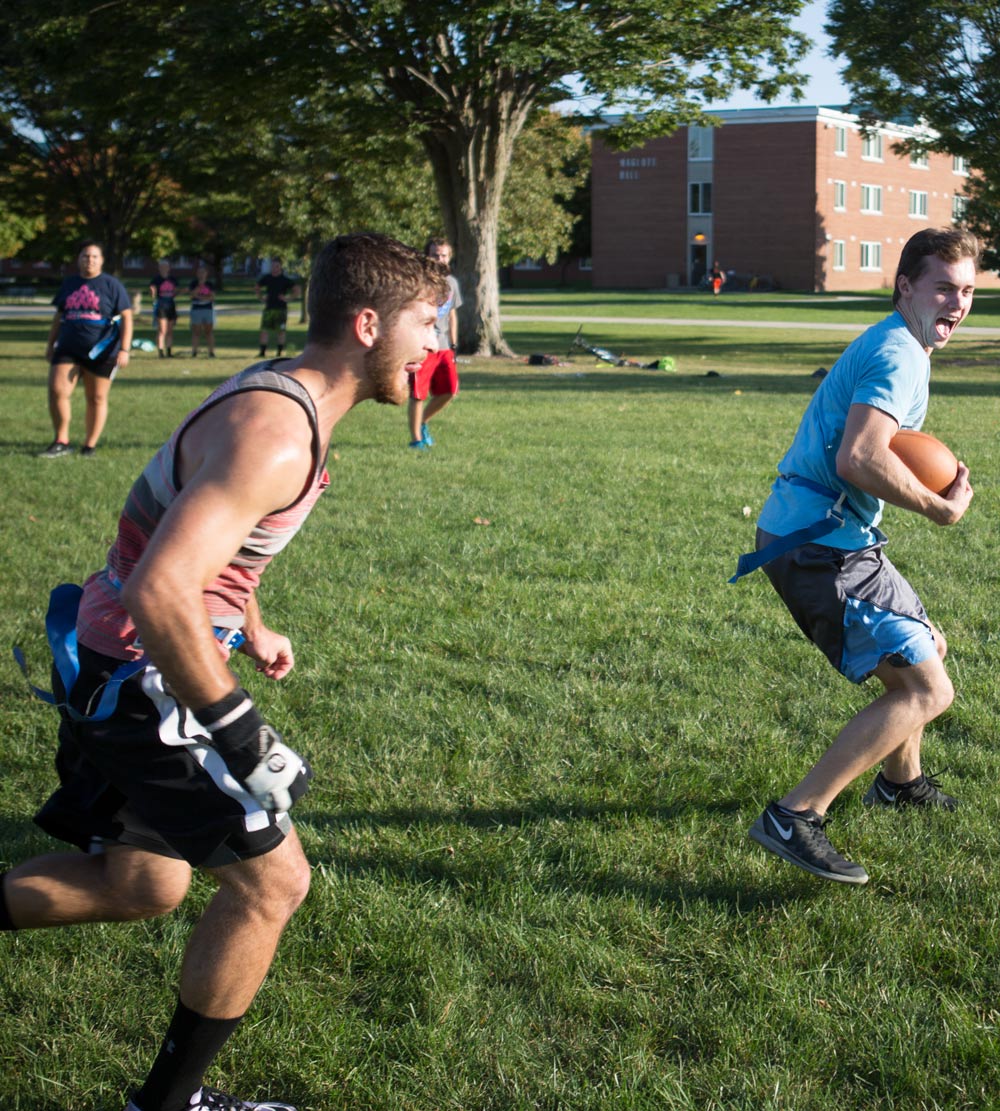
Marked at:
<point>104,366</point>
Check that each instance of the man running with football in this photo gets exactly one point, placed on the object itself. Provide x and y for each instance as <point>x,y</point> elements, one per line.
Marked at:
<point>165,763</point>
<point>819,543</point>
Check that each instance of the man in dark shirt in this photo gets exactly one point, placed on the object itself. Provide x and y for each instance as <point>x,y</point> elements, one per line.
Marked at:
<point>274,290</point>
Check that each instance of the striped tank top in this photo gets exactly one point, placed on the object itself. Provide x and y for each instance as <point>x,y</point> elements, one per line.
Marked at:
<point>103,623</point>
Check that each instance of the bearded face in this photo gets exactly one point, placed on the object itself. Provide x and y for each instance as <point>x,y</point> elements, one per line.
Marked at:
<point>399,350</point>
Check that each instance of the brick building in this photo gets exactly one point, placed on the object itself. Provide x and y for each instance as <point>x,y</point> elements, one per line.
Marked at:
<point>797,197</point>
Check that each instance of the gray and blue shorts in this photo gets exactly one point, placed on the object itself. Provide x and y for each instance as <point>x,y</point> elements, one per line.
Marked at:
<point>853,605</point>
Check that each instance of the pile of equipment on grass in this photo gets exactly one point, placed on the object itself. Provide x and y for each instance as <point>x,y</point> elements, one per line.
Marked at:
<point>665,362</point>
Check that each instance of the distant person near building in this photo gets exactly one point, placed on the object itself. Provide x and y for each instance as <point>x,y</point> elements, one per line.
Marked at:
<point>716,278</point>
<point>274,290</point>
<point>163,288</point>
<point>90,338</point>
<point>438,376</point>
<point>202,311</point>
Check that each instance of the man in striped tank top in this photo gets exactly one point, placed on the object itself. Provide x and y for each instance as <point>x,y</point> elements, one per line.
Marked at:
<point>182,771</point>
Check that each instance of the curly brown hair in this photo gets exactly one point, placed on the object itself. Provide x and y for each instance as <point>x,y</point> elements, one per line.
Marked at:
<point>367,270</point>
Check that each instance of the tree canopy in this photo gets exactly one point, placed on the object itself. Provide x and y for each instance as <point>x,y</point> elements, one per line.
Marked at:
<point>936,63</point>
<point>275,121</point>
<point>464,79</point>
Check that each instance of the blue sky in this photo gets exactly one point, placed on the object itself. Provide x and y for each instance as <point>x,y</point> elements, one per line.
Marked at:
<point>824,85</point>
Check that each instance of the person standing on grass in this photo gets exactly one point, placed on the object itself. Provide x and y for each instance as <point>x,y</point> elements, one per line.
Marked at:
<point>90,338</point>
<point>163,288</point>
<point>202,311</point>
<point>716,278</point>
<point>438,377</point>
<point>819,544</point>
<point>165,763</point>
<point>274,289</point>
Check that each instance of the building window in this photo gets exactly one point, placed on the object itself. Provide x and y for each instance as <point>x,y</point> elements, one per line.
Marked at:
<point>586,264</point>
<point>918,203</point>
<point>920,160</point>
<point>839,140</point>
<point>701,198</point>
<point>871,199</point>
<point>840,196</point>
<point>528,264</point>
<point>134,262</point>
<point>959,204</point>
<point>839,254</point>
<point>871,147</point>
<point>871,256</point>
<point>700,143</point>
<point>959,164</point>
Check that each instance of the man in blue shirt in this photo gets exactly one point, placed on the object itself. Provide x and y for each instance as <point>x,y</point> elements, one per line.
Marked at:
<point>837,583</point>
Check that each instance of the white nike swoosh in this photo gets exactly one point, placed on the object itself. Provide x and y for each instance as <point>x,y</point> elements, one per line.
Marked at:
<point>889,796</point>
<point>786,834</point>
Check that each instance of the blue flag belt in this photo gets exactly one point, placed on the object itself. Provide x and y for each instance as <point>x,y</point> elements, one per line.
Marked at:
<point>60,628</point>
<point>107,340</point>
<point>834,518</point>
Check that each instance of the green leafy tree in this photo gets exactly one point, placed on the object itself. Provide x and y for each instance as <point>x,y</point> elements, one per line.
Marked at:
<point>937,63</point>
<point>16,228</point>
<point>104,106</point>
<point>551,163</point>
<point>982,216</point>
<point>89,137</point>
<point>318,176</point>
<point>464,80</point>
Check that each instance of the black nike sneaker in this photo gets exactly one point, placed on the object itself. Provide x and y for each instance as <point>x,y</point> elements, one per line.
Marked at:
<point>924,791</point>
<point>799,839</point>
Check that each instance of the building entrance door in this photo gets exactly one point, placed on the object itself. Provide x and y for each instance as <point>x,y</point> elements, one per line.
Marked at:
<point>699,262</point>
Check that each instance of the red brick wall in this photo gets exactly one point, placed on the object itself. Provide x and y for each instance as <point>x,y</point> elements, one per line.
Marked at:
<point>765,219</point>
<point>773,204</point>
<point>897,177</point>
<point>639,214</point>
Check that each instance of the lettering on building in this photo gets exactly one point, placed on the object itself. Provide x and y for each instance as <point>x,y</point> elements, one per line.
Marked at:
<point>628,168</point>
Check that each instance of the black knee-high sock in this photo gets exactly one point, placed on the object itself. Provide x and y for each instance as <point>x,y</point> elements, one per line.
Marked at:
<point>190,1046</point>
<point>5,920</point>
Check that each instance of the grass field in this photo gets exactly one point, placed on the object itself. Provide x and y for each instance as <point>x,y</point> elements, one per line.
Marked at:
<point>541,724</point>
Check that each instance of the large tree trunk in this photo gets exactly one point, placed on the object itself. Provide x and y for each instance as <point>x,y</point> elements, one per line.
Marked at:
<point>470,166</point>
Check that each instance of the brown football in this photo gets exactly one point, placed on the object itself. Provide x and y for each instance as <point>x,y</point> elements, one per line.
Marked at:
<point>930,460</point>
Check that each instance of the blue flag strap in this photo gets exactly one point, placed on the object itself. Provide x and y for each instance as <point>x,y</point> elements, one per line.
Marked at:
<point>834,518</point>
<point>107,340</point>
<point>60,628</point>
<point>752,560</point>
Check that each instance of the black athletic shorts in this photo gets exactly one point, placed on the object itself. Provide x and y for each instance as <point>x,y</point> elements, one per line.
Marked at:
<point>146,777</point>
<point>104,366</point>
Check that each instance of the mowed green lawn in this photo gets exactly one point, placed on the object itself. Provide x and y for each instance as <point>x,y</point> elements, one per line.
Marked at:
<point>541,723</point>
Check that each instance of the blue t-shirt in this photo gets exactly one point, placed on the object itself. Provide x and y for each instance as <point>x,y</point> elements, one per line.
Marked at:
<point>886,368</point>
<point>87,306</point>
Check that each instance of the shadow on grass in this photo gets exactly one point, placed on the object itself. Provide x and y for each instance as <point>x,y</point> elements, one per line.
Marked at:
<point>561,875</point>
<point>610,380</point>
<point>676,304</point>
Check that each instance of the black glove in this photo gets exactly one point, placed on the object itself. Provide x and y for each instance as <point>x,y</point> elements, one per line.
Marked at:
<point>273,773</point>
